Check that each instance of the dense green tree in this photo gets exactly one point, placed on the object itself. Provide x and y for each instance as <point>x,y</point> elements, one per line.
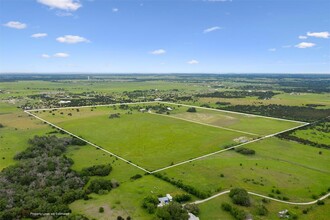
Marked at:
<point>40,181</point>
<point>172,211</point>
<point>97,170</point>
<point>99,185</point>
<point>240,196</point>
<point>192,208</point>
<point>150,203</point>
<point>192,109</point>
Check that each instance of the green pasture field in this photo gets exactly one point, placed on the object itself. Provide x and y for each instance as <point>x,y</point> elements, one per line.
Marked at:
<point>148,140</point>
<point>24,88</point>
<point>277,164</point>
<point>212,209</point>
<point>300,99</point>
<point>248,123</point>
<point>6,108</point>
<point>293,153</point>
<point>126,200</point>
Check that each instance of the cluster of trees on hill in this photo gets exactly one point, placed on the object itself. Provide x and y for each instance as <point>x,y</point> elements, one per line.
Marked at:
<point>240,94</point>
<point>41,181</point>
<point>282,111</point>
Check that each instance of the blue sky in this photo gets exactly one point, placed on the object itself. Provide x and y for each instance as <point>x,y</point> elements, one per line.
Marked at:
<point>165,36</point>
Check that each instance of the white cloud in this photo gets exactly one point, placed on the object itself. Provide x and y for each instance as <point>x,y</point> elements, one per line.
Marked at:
<point>15,24</point>
<point>302,37</point>
<point>211,29</point>
<point>304,45</point>
<point>39,35</point>
<point>158,52</point>
<point>68,5</point>
<point>193,62</point>
<point>45,56</point>
<point>272,49</point>
<point>324,34</point>
<point>115,10</point>
<point>61,55</point>
<point>71,39</point>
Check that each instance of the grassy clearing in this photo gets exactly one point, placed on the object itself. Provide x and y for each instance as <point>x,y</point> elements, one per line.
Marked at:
<point>314,135</point>
<point>18,129</point>
<point>87,156</point>
<point>260,173</point>
<point>248,123</point>
<point>212,209</point>
<point>151,141</point>
<point>117,203</point>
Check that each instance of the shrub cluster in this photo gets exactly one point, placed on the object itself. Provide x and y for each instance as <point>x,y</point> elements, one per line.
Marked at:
<point>97,170</point>
<point>99,186</point>
<point>150,204</point>
<point>172,211</point>
<point>192,109</point>
<point>187,188</point>
<point>136,176</point>
<point>192,208</point>
<point>240,196</point>
<point>182,198</point>
<point>115,115</point>
<point>245,151</point>
<point>238,214</point>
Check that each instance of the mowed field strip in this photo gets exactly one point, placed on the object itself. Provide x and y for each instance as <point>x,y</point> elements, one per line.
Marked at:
<point>150,142</point>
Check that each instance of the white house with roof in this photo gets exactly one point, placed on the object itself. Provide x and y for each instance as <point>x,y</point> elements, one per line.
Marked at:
<point>164,200</point>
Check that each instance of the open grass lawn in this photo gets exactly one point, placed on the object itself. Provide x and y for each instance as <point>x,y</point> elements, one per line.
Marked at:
<point>149,140</point>
<point>212,209</point>
<point>248,123</point>
<point>126,200</point>
<point>294,175</point>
